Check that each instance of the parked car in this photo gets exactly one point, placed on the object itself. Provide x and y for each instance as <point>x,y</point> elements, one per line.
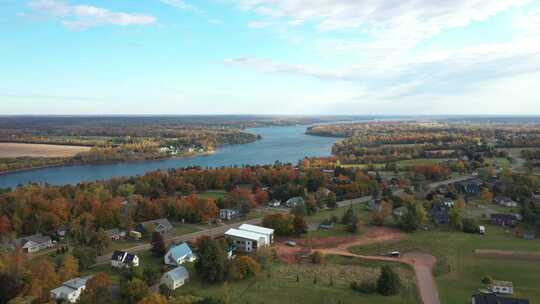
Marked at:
<point>395,254</point>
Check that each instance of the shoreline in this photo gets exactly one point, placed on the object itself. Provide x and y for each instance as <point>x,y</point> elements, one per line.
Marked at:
<point>193,154</point>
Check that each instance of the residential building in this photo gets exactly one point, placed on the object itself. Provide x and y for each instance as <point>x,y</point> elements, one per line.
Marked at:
<point>246,241</point>
<point>123,259</point>
<point>70,291</point>
<point>502,287</point>
<point>471,186</point>
<point>439,214</point>
<point>447,202</point>
<point>400,211</point>
<point>494,299</point>
<point>505,201</point>
<point>175,278</point>
<point>33,243</point>
<point>116,234</point>
<point>294,201</point>
<point>229,214</point>
<point>160,225</point>
<point>274,203</point>
<point>267,232</point>
<point>503,219</point>
<point>179,254</point>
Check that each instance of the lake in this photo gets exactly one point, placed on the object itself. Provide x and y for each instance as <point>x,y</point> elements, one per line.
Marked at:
<point>285,144</point>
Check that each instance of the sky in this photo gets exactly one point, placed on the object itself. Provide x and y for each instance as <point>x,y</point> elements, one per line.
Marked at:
<point>310,57</point>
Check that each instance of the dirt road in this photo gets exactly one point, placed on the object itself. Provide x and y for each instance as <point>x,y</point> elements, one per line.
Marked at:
<point>422,263</point>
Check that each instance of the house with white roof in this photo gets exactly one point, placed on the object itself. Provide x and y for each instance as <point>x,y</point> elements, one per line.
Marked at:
<point>267,232</point>
<point>33,243</point>
<point>175,278</point>
<point>121,259</point>
<point>179,254</point>
<point>246,241</point>
<point>71,290</point>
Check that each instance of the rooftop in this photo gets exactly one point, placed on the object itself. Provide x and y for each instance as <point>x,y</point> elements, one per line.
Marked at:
<point>244,234</point>
<point>179,273</point>
<point>257,229</point>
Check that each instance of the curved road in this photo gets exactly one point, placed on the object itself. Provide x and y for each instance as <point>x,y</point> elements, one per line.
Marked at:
<point>421,263</point>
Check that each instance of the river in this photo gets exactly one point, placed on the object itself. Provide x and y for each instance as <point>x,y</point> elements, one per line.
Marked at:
<point>284,144</point>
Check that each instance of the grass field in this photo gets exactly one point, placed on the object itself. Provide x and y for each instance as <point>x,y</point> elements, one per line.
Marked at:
<point>213,194</point>
<point>401,163</point>
<point>11,150</point>
<point>360,209</point>
<point>458,271</point>
<point>281,286</point>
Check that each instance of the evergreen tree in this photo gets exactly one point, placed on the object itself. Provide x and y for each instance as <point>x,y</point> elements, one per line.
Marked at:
<point>389,282</point>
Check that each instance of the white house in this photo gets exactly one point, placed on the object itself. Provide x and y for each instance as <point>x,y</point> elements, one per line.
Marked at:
<point>179,254</point>
<point>246,241</point>
<point>267,232</point>
<point>502,287</point>
<point>121,259</point>
<point>229,214</point>
<point>447,202</point>
<point>274,203</point>
<point>294,201</point>
<point>33,243</point>
<point>505,201</point>
<point>175,278</point>
<point>71,290</point>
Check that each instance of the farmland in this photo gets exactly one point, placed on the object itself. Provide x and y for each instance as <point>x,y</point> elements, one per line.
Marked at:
<point>12,150</point>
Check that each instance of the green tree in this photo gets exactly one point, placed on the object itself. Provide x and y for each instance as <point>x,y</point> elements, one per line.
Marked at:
<point>86,257</point>
<point>456,219</point>
<point>300,225</point>
<point>347,216</point>
<point>331,201</point>
<point>388,283</point>
<point>413,218</point>
<point>100,240</point>
<point>212,264</point>
<point>134,290</point>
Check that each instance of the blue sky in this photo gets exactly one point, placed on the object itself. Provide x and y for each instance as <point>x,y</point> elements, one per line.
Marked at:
<point>270,57</point>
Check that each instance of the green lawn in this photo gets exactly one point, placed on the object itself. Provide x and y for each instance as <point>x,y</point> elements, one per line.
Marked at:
<point>360,209</point>
<point>281,286</point>
<point>146,259</point>
<point>459,271</point>
<point>181,229</point>
<point>213,194</point>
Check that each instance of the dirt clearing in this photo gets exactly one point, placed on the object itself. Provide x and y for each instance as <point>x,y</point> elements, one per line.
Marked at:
<point>12,150</point>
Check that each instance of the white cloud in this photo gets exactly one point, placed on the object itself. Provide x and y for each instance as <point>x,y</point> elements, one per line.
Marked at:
<point>85,16</point>
<point>438,73</point>
<point>183,5</point>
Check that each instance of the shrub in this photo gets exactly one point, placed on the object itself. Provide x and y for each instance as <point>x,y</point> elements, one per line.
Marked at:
<point>364,286</point>
<point>389,282</point>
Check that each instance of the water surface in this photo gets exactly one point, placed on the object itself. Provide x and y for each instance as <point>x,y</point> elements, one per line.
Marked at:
<point>284,144</point>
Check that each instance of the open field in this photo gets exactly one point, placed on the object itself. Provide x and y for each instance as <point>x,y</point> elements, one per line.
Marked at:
<point>278,285</point>
<point>459,270</point>
<point>11,150</point>
<point>213,194</point>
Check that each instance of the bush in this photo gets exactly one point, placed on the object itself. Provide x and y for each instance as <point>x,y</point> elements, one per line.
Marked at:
<point>389,282</point>
<point>364,286</point>
<point>244,267</point>
<point>470,226</point>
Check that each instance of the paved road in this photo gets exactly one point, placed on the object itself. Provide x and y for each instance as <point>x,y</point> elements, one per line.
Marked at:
<point>218,231</point>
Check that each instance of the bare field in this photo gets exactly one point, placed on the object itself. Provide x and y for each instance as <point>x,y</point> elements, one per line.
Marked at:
<point>10,150</point>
